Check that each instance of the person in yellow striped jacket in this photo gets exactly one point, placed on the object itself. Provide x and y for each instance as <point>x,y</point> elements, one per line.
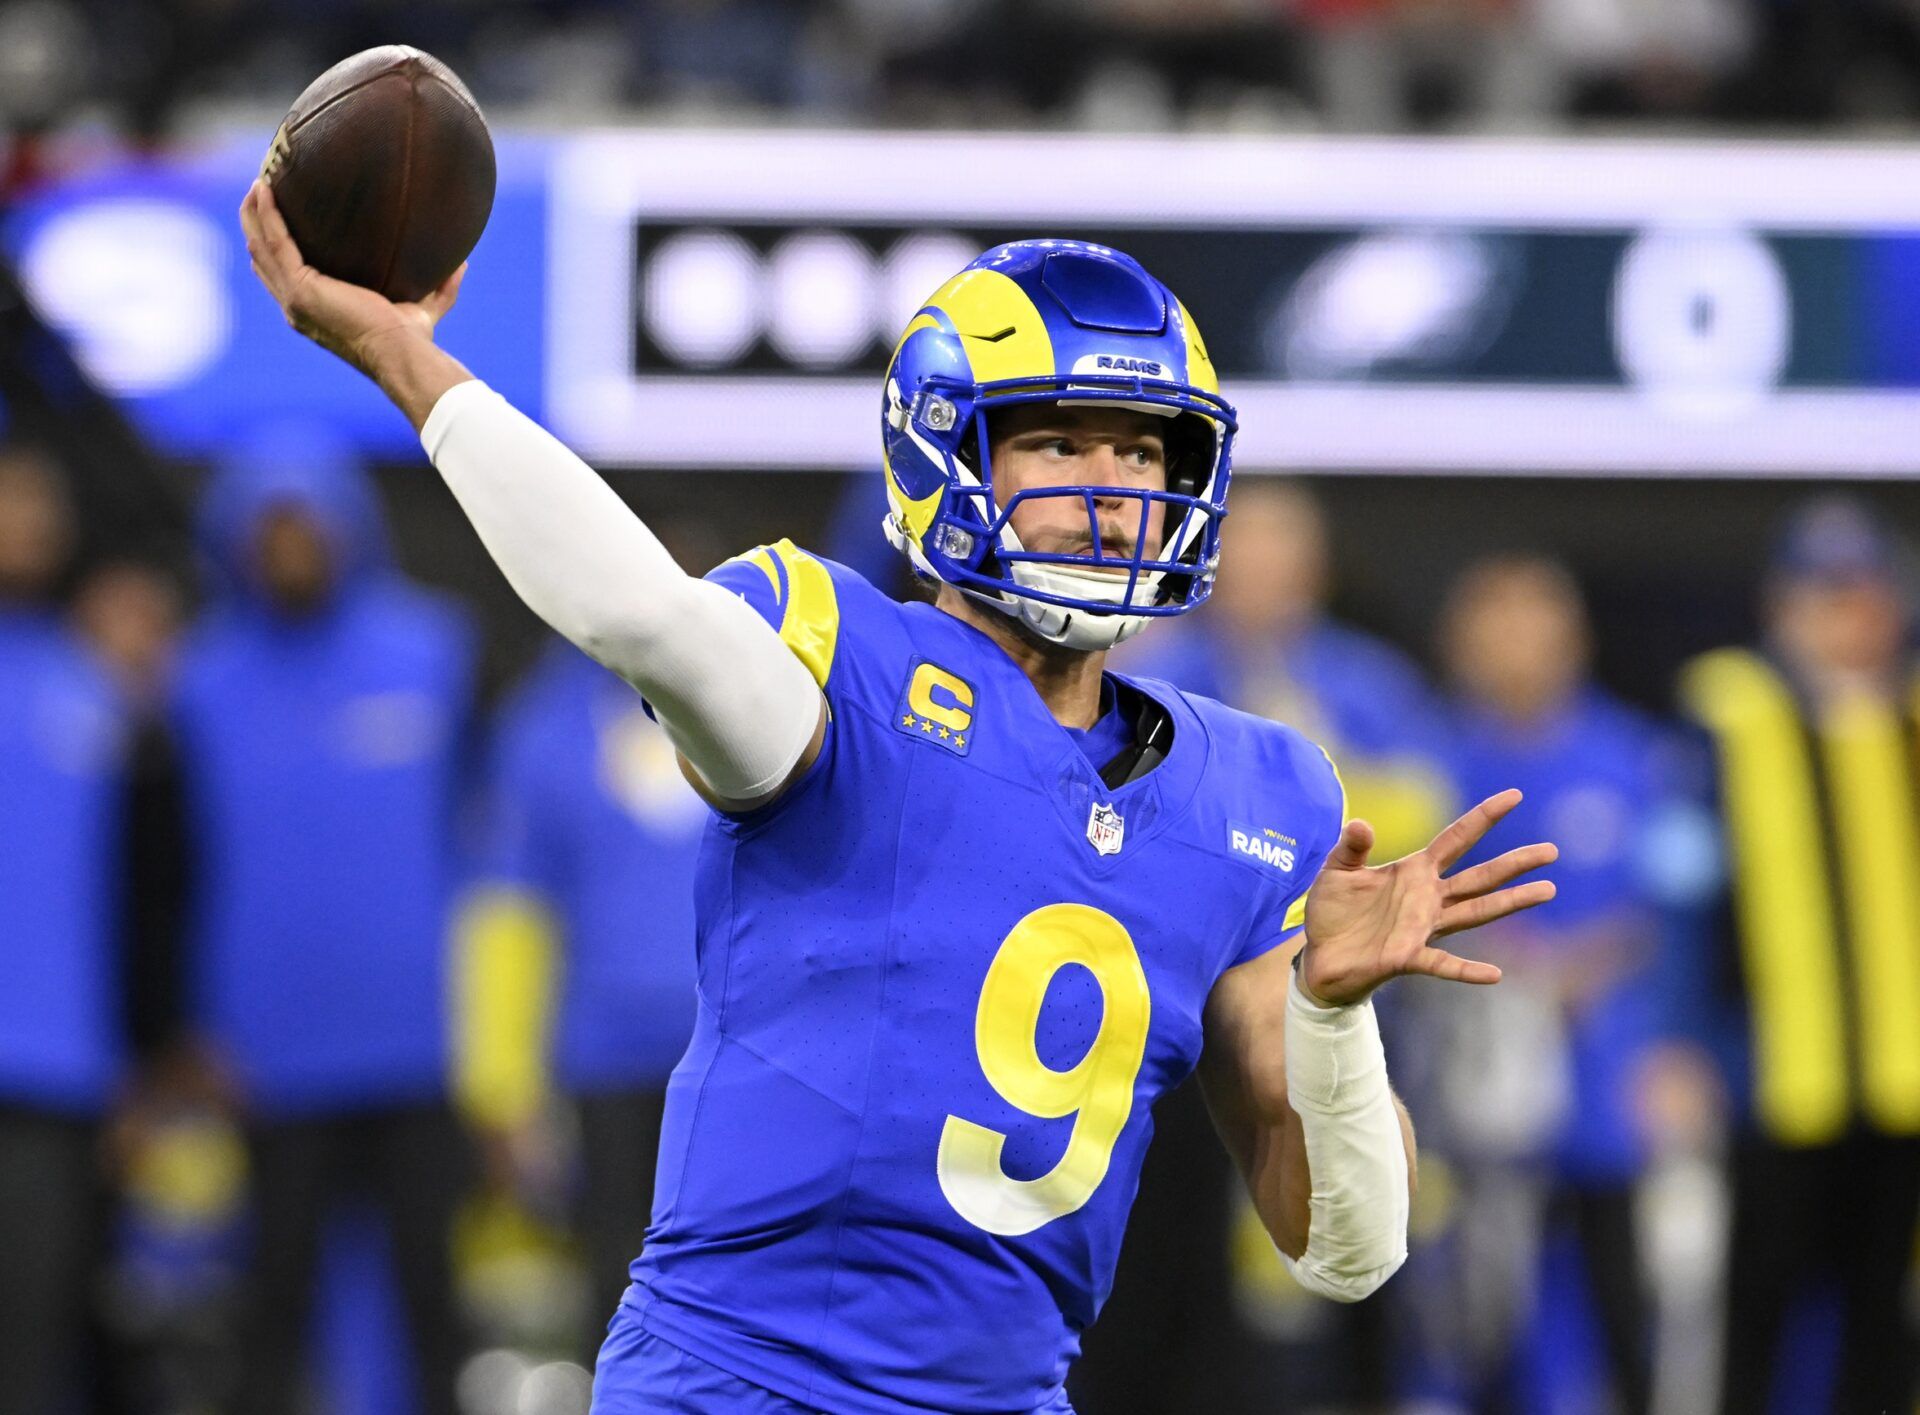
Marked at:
<point>1816,741</point>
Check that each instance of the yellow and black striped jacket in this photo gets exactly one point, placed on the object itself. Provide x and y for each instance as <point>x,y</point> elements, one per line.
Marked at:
<point>1821,814</point>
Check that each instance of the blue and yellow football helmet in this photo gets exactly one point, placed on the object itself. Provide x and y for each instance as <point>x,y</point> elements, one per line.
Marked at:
<point>1054,321</point>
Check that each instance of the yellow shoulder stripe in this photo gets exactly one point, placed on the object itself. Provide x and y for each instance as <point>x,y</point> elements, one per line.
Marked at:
<point>810,619</point>
<point>1297,911</point>
<point>1341,782</point>
<point>760,557</point>
<point>809,606</point>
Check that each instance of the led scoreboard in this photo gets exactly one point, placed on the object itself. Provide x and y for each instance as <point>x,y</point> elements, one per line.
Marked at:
<point>1523,307</point>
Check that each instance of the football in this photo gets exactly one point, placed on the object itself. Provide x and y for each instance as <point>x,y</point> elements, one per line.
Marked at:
<point>384,171</point>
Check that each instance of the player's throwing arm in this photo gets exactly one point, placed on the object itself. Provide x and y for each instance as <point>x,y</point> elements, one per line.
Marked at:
<point>743,711</point>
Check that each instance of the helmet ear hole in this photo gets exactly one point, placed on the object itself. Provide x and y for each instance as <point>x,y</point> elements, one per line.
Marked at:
<point>969,449</point>
<point>1190,443</point>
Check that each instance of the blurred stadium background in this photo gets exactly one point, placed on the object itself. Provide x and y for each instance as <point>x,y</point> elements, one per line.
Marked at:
<point>343,954</point>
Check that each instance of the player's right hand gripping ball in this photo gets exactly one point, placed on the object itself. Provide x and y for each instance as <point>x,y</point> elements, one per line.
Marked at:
<point>384,172</point>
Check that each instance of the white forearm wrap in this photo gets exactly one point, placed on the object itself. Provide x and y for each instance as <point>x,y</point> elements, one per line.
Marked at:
<point>732,697</point>
<point>1356,1155</point>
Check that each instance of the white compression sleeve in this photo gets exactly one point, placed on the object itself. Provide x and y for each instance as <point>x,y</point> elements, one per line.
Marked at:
<point>1356,1154</point>
<point>729,693</point>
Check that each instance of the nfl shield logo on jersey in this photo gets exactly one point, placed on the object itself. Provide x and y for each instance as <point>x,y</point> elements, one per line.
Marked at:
<point>1104,828</point>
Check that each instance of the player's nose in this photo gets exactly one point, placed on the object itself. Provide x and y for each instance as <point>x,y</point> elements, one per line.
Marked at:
<point>1103,464</point>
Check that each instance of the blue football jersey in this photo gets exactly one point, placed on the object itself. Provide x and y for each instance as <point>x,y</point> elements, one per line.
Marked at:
<point>943,981</point>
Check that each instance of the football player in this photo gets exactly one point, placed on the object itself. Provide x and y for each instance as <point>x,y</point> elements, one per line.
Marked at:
<point>970,902</point>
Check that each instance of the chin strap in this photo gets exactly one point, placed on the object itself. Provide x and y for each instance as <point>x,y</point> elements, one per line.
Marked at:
<point>1070,628</point>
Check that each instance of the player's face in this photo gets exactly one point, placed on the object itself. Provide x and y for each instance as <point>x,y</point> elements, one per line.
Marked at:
<point>1043,444</point>
<point>294,560</point>
<point>1273,561</point>
<point>1852,626</point>
<point>36,527</point>
<point>1516,640</point>
<point>133,617</point>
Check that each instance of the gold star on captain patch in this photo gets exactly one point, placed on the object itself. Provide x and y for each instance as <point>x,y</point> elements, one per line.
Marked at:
<point>907,721</point>
<point>945,733</point>
<point>926,724</point>
<point>959,741</point>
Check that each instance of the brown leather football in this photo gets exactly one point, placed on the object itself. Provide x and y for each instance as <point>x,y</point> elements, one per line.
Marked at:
<point>384,171</point>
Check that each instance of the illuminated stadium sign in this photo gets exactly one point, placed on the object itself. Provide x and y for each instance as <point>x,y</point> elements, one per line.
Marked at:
<point>727,299</point>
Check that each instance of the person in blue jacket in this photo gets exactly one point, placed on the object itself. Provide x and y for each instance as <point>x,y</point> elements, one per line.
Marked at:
<point>321,709</point>
<point>63,740</point>
<point>1580,1023</point>
<point>588,899</point>
<point>1268,645</point>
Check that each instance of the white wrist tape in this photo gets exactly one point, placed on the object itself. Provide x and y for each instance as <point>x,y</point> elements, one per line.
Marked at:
<point>1356,1155</point>
<point>730,695</point>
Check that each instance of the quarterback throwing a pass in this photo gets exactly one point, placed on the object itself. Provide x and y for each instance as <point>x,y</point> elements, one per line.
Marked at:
<point>970,903</point>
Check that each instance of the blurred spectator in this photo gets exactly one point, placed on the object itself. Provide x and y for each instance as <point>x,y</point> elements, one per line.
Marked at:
<point>751,54</point>
<point>176,1156</point>
<point>1148,64</point>
<point>152,67</point>
<point>1660,58</point>
<point>1542,1072</point>
<point>1821,63</point>
<point>1267,644</point>
<point>1389,65</point>
<point>1814,738</point>
<point>62,1050</point>
<point>591,878</point>
<point>132,614</point>
<point>320,710</point>
<point>917,51</point>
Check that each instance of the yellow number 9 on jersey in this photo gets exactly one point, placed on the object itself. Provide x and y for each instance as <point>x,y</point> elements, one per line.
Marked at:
<point>1097,1091</point>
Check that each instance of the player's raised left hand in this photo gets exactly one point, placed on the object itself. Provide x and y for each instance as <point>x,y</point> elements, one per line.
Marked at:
<point>1366,924</point>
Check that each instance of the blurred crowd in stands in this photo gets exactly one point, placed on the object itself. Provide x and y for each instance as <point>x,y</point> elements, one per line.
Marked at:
<point>147,68</point>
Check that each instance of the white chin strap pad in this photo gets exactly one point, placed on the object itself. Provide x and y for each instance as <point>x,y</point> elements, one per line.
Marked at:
<point>1076,628</point>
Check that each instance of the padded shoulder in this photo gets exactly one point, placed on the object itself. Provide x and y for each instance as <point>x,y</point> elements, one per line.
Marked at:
<point>1265,765</point>
<point>825,612</point>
